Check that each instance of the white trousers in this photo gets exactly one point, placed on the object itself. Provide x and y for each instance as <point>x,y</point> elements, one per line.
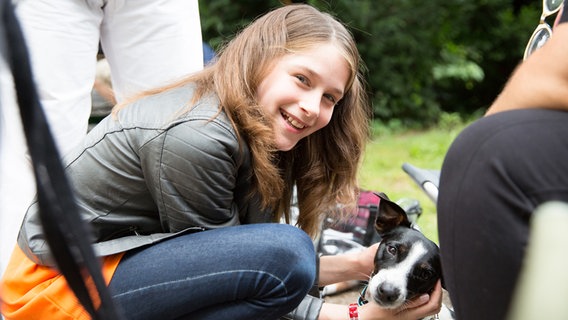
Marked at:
<point>147,43</point>
<point>17,184</point>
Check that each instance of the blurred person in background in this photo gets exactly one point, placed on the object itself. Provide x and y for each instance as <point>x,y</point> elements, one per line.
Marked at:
<point>147,43</point>
<point>498,170</point>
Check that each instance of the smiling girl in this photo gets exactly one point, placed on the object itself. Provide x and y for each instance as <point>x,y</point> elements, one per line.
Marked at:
<point>184,186</point>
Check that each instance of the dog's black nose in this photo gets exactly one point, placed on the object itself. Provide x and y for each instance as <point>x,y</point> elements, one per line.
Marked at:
<point>387,293</point>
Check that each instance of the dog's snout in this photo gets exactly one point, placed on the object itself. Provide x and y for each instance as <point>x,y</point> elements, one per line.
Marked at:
<point>388,293</point>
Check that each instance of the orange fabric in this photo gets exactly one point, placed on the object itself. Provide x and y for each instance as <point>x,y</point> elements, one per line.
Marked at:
<point>30,291</point>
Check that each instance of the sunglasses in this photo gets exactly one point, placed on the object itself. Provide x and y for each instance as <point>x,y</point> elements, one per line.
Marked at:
<point>543,31</point>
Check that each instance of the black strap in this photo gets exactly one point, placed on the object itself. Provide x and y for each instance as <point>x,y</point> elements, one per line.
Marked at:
<point>370,232</point>
<point>65,232</point>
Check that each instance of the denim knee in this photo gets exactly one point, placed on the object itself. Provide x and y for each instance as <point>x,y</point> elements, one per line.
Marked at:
<point>273,264</point>
<point>295,249</point>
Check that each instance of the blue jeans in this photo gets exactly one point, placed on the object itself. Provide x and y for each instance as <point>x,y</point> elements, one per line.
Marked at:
<point>259,271</point>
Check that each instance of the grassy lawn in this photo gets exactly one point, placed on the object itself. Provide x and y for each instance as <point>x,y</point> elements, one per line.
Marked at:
<point>382,167</point>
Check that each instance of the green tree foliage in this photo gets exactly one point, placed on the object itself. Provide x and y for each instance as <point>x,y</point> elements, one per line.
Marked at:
<point>492,34</point>
<point>222,19</point>
<point>399,41</point>
<point>423,58</point>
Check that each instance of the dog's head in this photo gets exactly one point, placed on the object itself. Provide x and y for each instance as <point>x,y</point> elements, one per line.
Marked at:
<point>407,264</point>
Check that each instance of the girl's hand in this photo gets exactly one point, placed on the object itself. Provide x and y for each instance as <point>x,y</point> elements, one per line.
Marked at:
<point>367,259</point>
<point>348,266</point>
<point>416,309</point>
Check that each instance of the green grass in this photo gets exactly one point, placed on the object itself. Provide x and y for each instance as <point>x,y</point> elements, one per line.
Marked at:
<point>382,167</point>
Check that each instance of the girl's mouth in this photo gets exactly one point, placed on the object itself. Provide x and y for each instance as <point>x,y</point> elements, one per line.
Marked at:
<point>293,122</point>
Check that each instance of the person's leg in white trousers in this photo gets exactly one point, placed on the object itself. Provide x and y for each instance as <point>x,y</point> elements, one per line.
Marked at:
<point>147,43</point>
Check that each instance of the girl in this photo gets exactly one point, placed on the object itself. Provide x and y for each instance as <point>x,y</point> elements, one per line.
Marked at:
<point>220,151</point>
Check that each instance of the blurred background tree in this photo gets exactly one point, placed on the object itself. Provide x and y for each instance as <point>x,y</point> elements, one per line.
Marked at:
<point>424,59</point>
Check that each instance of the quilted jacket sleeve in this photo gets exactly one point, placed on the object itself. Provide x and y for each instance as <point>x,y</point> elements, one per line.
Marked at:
<point>193,173</point>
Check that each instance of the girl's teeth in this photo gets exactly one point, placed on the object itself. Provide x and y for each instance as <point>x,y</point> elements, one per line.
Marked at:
<point>295,123</point>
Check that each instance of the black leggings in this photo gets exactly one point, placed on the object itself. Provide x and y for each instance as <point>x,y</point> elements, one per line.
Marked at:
<point>495,174</point>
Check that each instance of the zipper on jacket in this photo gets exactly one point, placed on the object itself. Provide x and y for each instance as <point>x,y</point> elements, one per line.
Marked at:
<point>128,231</point>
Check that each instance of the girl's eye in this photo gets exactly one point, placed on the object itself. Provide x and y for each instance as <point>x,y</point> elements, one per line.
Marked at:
<point>302,79</point>
<point>331,98</point>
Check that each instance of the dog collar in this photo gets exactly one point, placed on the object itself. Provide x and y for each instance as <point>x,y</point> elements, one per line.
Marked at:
<point>361,300</point>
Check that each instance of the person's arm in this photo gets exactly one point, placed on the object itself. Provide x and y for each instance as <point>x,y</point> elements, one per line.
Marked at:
<point>105,91</point>
<point>343,267</point>
<point>193,174</point>
<point>541,81</point>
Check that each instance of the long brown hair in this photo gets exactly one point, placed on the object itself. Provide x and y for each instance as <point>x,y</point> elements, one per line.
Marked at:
<point>324,165</point>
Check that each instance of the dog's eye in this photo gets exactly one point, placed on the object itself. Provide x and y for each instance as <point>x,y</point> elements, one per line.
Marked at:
<point>424,274</point>
<point>392,250</point>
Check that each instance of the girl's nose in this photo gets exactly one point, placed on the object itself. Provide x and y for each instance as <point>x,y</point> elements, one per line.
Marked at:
<point>310,107</point>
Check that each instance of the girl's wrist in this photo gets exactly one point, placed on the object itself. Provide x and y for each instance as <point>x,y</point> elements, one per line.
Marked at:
<point>340,268</point>
<point>360,269</point>
<point>354,311</point>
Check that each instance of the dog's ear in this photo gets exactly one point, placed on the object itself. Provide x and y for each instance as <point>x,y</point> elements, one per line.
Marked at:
<point>390,215</point>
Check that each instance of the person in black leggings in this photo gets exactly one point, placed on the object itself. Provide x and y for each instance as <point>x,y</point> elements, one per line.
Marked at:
<point>498,170</point>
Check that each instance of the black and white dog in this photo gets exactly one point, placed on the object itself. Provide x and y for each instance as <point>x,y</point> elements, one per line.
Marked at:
<point>407,264</point>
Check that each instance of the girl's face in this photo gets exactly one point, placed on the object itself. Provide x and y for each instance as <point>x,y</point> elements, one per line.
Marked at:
<point>300,92</point>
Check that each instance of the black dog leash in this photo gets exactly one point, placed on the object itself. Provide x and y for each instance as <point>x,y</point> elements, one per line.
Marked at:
<point>65,232</point>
